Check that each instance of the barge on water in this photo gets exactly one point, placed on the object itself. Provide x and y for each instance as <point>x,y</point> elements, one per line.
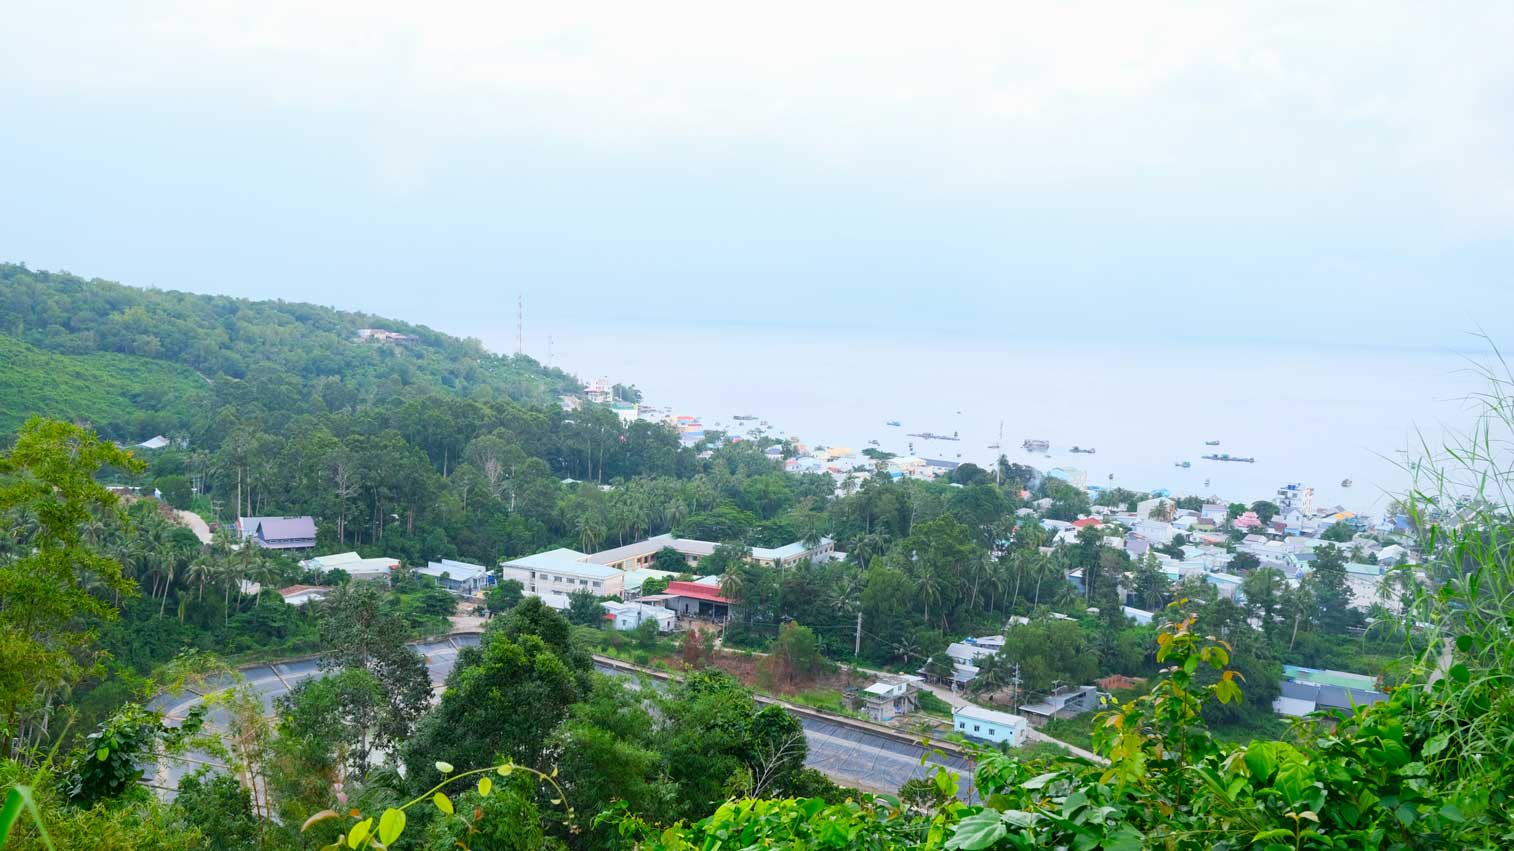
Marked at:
<point>1226,456</point>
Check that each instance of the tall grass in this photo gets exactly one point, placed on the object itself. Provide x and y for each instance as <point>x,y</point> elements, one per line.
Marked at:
<point>1461,508</point>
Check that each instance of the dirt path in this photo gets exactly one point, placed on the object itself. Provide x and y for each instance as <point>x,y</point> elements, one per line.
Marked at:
<point>196,524</point>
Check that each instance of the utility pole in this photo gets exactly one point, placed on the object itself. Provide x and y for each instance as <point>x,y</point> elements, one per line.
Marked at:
<point>999,468</point>
<point>1014,693</point>
<point>857,645</point>
<point>520,323</point>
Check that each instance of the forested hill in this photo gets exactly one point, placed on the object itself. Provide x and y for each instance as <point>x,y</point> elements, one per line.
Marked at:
<point>260,346</point>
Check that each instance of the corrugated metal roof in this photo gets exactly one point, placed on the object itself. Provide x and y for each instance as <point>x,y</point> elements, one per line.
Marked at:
<point>695,591</point>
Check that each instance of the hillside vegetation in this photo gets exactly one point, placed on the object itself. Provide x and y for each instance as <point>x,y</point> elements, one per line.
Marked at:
<point>102,388</point>
<point>303,348</point>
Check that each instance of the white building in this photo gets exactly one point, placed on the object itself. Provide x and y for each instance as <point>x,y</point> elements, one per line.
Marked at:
<point>563,571</point>
<point>1156,531</point>
<point>629,616</point>
<point>964,655</point>
<point>355,566</point>
<point>459,577</point>
<point>1294,495</point>
<point>890,697</point>
<point>1160,504</point>
<point>1215,511</point>
<point>975,722</point>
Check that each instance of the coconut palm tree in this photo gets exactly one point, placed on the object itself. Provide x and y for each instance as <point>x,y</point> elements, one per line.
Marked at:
<point>930,587</point>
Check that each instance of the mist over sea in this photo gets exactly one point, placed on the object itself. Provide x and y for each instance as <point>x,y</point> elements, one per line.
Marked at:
<point>1311,414</point>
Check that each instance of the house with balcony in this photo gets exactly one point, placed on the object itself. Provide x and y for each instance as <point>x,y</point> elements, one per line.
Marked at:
<point>890,697</point>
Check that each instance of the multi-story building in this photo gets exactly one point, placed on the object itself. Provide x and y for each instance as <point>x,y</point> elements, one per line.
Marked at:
<point>1294,495</point>
<point>563,571</point>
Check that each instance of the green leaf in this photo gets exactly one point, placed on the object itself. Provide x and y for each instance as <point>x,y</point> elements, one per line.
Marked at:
<point>359,832</point>
<point>1040,780</point>
<point>1464,643</point>
<point>102,754</point>
<point>1124,838</point>
<point>977,831</point>
<point>10,812</point>
<point>443,803</point>
<point>1260,760</point>
<point>1019,818</point>
<point>444,767</point>
<point>504,770</point>
<point>391,825</point>
<point>485,786</point>
<point>1460,673</point>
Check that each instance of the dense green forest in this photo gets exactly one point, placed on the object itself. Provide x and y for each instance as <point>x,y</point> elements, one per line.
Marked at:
<point>436,449</point>
<point>99,387</point>
<point>246,350</point>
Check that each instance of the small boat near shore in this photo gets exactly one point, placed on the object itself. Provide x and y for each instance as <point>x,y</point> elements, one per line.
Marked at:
<point>894,423</point>
<point>930,435</point>
<point>1211,443</point>
<point>1036,445</point>
<point>1088,451</point>
<point>1184,464</point>
<point>1226,456</point>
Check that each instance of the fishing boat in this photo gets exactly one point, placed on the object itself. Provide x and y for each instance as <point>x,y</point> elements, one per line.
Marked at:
<point>993,446</point>
<point>894,423</point>
<point>1345,483</point>
<point>743,417</point>
<point>1206,483</point>
<point>1184,464</point>
<point>872,443</point>
<point>1035,445</point>
<point>1226,456</point>
<point>1088,451</point>
<point>1211,443</point>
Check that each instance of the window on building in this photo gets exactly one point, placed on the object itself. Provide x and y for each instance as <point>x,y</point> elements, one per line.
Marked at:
<point>975,728</point>
<point>990,731</point>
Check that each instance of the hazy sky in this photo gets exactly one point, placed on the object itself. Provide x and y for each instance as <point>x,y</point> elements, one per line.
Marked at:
<point>1316,171</point>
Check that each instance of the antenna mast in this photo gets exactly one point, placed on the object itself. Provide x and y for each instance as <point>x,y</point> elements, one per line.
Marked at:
<point>520,323</point>
<point>999,468</point>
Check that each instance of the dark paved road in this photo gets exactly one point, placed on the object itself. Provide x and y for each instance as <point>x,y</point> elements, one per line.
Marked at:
<point>849,755</point>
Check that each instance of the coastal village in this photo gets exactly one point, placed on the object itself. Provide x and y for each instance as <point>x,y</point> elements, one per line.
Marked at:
<point>1211,541</point>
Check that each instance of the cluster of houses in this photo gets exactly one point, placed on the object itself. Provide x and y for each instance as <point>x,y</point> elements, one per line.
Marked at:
<point>459,577</point>
<point>623,571</point>
<point>1286,543</point>
<point>1309,690</point>
<point>845,466</point>
<point>379,335</point>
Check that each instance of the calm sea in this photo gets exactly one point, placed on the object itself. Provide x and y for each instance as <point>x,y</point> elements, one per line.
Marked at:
<point>1313,415</point>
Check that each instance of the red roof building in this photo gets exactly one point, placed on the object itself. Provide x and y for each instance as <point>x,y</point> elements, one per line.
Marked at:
<point>695,591</point>
<point>1085,522</point>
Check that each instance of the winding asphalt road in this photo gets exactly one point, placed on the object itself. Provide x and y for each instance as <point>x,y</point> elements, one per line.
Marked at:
<point>851,755</point>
